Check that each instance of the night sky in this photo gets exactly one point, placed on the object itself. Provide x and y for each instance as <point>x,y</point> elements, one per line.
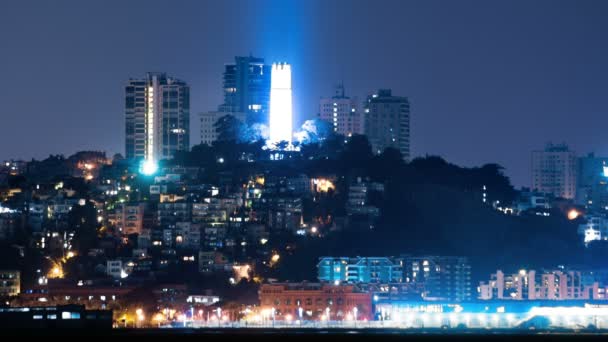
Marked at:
<point>488,81</point>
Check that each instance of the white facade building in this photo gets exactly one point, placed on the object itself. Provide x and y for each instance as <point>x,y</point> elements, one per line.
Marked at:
<point>554,171</point>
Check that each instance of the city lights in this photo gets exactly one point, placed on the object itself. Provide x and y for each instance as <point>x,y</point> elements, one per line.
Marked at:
<point>149,167</point>
<point>573,214</point>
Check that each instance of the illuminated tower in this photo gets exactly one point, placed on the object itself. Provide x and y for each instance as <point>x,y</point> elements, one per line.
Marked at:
<point>281,110</point>
<point>157,110</point>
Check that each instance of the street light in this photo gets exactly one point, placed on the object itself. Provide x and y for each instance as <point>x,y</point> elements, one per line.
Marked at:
<point>272,313</point>
<point>219,316</point>
<point>327,314</point>
<point>355,310</point>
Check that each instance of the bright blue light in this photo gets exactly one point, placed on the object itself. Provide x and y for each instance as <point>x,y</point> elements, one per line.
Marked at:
<point>605,171</point>
<point>148,167</point>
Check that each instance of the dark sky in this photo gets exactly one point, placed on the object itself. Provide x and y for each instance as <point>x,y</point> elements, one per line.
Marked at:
<point>488,81</point>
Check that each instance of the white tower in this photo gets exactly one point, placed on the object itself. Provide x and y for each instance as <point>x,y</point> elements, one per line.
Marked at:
<point>281,110</point>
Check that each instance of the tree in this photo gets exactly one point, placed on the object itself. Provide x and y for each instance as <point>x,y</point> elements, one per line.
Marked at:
<point>229,128</point>
<point>282,145</point>
<point>83,220</point>
<point>357,152</point>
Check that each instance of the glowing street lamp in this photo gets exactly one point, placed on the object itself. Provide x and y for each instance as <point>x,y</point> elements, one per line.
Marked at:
<point>149,167</point>
<point>159,318</point>
<point>140,316</point>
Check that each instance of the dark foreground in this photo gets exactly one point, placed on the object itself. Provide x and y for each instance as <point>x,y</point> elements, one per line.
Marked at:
<point>333,334</point>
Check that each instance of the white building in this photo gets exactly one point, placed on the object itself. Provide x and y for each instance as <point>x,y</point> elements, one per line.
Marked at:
<point>342,113</point>
<point>596,228</point>
<point>554,171</point>
<point>114,268</point>
<point>557,284</point>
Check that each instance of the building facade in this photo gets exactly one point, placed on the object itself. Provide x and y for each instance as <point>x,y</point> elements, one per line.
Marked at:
<point>10,283</point>
<point>247,88</point>
<point>132,218</point>
<point>317,301</point>
<point>442,277</point>
<point>554,171</point>
<point>592,183</point>
<point>359,270</point>
<point>157,111</point>
<point>595,228</point>
<point>342,113</point>
<point>557,284</point>
<point>387,122</point>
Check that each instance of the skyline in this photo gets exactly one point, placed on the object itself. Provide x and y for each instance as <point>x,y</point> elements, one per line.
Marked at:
<point>445,64</point>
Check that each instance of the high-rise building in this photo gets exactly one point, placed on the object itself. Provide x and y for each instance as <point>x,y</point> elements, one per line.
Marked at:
<point>281,108</point>
<point>554,171</point>
<point>208,121</point>
<point>342,113</point>
<point>387,122</point>
<point>157,111</point>
<point>592,182</point>
<point>247,88</point>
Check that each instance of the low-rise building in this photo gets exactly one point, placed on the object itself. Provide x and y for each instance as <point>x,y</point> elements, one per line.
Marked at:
<point>359,270</point>
<point>559,284</point>
<point>315,301</point>
<point>443,277</point>
<point>10,283</point>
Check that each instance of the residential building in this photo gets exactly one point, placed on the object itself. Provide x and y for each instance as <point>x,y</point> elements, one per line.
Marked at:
<point>247,89</point>
<point>592,183</point>
<point>173,212</point>
<point>284,213</point>
<point>559,284</point>
<point>443,277</point>
<point>359,270</point>
<point>595,228</point>
<point>157,111</point>
<point>342,113</point>
<point>10,283</point>
<point>359,196</point>
<point>114,268</point>
<point>387,122</point>
<point>554,171</point>
<point>131,218</point>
